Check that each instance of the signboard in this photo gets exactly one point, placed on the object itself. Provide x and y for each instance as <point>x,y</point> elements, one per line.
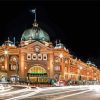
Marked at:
<point>39,79</point>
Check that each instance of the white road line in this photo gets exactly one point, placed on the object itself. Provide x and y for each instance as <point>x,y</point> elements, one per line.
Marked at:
<point>24,96</point>
<point>33,93</point>
<point>14,92</point>
<point>55,93</point>
<point>2,91</point>
<point>58,92</point>
<point>63,88</point>
<point>70,95</point>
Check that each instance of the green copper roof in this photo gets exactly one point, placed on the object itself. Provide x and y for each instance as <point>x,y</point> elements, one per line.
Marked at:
<point>35,33</point>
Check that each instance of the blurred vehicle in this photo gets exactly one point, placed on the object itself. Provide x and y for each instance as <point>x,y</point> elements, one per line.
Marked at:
<point>60,83</point>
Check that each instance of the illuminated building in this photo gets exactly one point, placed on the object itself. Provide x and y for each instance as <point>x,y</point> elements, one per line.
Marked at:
<point>36,60</point>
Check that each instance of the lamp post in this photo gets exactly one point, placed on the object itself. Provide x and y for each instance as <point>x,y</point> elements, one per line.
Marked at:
<point>16,70</point>
<point>5,65</point>
<point>79,72</point>
<point>5,52</point>
<point>61,57</point>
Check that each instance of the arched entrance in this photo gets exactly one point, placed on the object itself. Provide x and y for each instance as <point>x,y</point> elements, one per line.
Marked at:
<point>37,74</point>
<point>3,77</point>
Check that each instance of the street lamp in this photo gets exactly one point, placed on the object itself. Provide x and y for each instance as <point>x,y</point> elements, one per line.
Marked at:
<point>61,55</point>
<point>6,52</point>
<point>79,70</point>
<point>16,61</point>
<point>4,78</point>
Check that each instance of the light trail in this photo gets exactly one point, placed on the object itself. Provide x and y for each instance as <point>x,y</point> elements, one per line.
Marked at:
<point>5,88</point>
<point>24,96</point>
<point>2,91</point>
<point>21,94</point>
<point>40,90</point>
<point>70,95</point>
<point>14,92</point>
<point>59,92</point>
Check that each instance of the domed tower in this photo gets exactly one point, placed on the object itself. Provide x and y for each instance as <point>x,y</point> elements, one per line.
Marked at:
<point>34,34</point>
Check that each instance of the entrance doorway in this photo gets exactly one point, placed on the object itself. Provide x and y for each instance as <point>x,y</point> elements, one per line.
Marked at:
<point>3,77</point>
<point>37,74</point>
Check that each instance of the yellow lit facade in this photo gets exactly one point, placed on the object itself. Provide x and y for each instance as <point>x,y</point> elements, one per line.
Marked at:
<point>37,60</point>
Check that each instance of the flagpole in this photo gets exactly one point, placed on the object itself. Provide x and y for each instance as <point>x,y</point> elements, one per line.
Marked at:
<point>35,23</point>
<point>35,16</point>
<point>14,40</point>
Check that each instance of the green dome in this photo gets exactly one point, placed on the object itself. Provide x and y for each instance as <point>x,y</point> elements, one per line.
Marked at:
<point>35,33</point>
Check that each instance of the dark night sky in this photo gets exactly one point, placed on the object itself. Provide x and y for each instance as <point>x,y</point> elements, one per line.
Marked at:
<point>76,24</point>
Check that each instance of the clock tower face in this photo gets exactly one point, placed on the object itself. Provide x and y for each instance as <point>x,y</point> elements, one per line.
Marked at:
<point>37,49</point>
<point>13,59</point>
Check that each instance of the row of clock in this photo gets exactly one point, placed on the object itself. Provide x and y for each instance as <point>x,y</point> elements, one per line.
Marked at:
<point>36,56</point>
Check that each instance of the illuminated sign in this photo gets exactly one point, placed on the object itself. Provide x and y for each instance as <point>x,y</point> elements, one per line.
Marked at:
<point>39,79</point>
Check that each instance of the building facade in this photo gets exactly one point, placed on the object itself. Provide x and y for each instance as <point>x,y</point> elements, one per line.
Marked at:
<point>36,60</point>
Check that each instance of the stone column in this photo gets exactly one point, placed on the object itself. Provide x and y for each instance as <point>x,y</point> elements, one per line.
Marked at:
<point>51,65</point>
<point>6,62</point>
<point>22,65</point>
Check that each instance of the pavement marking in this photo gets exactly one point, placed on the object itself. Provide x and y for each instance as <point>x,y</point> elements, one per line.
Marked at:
<point>24,96</point>
<point>14,92</point>
<point>32,93</point>
<point>35,92</point>
<point>58,93</point>
<point>2,91</point>
<point>70,95</point>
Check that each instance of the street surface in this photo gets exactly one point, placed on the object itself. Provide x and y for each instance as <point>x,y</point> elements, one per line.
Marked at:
<point>90,92</point>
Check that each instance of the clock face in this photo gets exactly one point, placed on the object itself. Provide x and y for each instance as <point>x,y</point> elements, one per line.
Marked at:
<point>37,49</point>
<point>13,59</point>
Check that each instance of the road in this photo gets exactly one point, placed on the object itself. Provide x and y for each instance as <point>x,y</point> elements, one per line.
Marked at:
<point>53,93</point>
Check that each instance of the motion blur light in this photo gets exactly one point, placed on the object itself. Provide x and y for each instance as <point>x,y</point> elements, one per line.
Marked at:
<point>61,55</point>
<point>95,87</point>
<point>5,52</point>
